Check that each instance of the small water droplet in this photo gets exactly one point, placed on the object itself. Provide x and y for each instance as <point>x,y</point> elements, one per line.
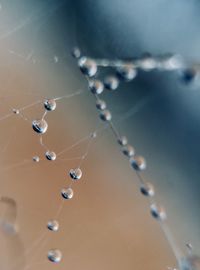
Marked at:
<point>50,155</point>
<point>40,126</point>
<point>147,62</point>
<point>50,104</point>
<point>96,87</point>
<point>138,163</point>
<point>189,75</point>
<point>127,72</point>
<point>122,141</point>
<point>158,212</point>
<point>67,193</point>
<point>147,189</point>
<point>75,174</point>
<point>111,82</point>
<point>53,225</point>
<point>76,53</point>
<point>15,111</point>
<point>106,115</point>
<point>87,66</point>
<point>100,105</point>
<point>128,151</point>
<point>54,255</point>
<point>36,159</point>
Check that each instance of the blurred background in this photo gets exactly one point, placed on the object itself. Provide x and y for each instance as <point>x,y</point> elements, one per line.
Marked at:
<point>107,224</point>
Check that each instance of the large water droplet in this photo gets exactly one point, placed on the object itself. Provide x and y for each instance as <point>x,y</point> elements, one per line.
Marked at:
<point>67,193</point>
<point>53,225</point>
<point>54,255</point>
<point>40,126</point>
<point>50,155</point>
<point>87,66</point>
<point>50,104</point>
<point>127,72</point>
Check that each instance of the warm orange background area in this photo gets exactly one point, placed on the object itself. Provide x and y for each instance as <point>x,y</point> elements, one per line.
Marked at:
<point>107,224</point>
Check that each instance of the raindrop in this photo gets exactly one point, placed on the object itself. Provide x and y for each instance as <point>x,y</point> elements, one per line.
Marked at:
<point>50,104</point>
<point>100,105</point>
<point>53,225</point>
<point>67,193</point>
<point>138,163</point>
<point>158,212</point>
<point>96,87</point>
<point>75,174</point>
<point>54,255</point>
<point>50,155</point>
<point>87,66</point>
<point>128,151</point>
<point>40,126</point>
<point>111,82</point>
<point>147,189</point>
<point>15,111</point>
<point>105,115</point>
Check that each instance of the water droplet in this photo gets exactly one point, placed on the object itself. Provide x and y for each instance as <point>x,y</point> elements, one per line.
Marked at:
<point>50,155</point>
<point>50,104</point>
<point>15,111</point>
<point>100,104</point>
<point>122,141</point>
<point>40,126</point>
<point>53,225</point>
<point>36,159</point>
<point>54,255</point>
<point>111,82</point>
<point>93,135</point>
<point>96,87</point>
<point>76,53</point>
<point>67,193</point>
<point>75,174</point>
<point>158,212</point>
<point>105,115</point>
<point>56,59</point>
<point>191,262</point>
<point>147,189</point>
<point>87,66</point>
<point>138,163</point>
<point>127,72</point>
<point>128,151</point>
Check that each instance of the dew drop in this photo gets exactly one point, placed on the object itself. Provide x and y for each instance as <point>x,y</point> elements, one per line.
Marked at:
<point>15,111</point>
<point>36,159</point>
<point>189,75</point>
<point>111,82</point>
<point>127,72</point>
<point>100,105</point>
<point>50,155</point>
<point>53,225</point>
<point>96,87</point>
<point>67,193</point>
<point>106,115</point>
<point>128,151</point>
<point>40,126</point>
<point>87,66</point>
<point>147,189</point>
<point>138,163</point>
<point>122,141</point>
<point>54,255</point>
<point>158,212</point>
<point>147,62</point>
<point>50,104</point>
<point>75,174</point>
